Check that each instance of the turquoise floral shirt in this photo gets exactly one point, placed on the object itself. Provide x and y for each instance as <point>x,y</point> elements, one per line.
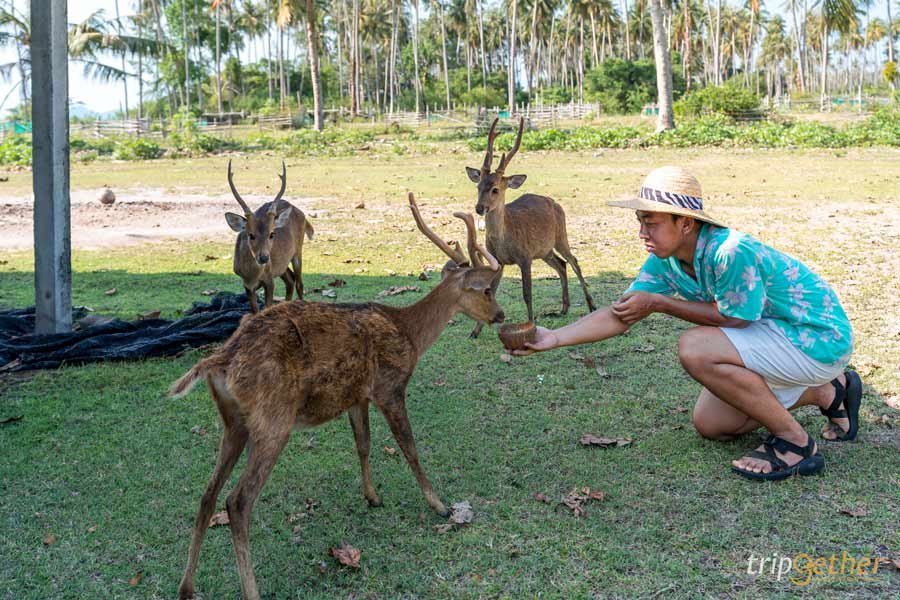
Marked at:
<point>749,280</point>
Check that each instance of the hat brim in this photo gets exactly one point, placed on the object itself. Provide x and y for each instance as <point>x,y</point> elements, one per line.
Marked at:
<point>653,206</point>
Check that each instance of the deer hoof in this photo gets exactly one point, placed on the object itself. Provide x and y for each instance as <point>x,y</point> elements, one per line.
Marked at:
<point>474,334</point>
<point>185,591</point>
<point>374,502</point>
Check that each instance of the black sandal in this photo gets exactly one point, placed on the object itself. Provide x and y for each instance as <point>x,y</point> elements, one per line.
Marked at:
<point>809,465</point>
<point>851,397</point>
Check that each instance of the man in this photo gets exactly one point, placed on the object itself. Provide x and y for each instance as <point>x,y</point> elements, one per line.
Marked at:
<point>771,335</point>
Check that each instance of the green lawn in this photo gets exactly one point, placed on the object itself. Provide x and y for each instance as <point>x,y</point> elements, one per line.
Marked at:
<point>104,462</point>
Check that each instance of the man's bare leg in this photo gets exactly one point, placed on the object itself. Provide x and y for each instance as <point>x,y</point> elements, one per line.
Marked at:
<point>709,357</point>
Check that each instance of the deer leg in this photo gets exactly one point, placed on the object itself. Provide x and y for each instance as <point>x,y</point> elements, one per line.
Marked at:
<point>297,263</point>
<point>359,423</point>
<point>495,285</point>
<point>288,278</point>
<point>240,502</point>
<point>230,449</point>
<point>269,289</point>
<point>559,266</point>
<point>395,414</point>
<point>563,248</point>
<point>525,267</point>
<point>251,298</point>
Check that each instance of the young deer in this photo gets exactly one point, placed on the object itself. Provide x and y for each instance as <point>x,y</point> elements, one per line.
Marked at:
<point>268,241</point>
<point>302,364</point>
<point>527,228</point>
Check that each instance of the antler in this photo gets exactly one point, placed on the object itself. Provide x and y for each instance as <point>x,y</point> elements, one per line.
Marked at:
<point>474,247</point>
<point>455,254</point>
<point>489,154</point>
<point>283,178</point>
<point>506,158</point>
<point>235,192</point>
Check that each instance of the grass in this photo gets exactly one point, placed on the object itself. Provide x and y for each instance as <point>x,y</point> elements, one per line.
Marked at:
<point>110,467</point>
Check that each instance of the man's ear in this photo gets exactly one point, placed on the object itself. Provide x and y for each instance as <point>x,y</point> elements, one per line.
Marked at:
<point>474,174</point>
<point>236,222</point>
<point>283,217</point>
<point>515,181</point>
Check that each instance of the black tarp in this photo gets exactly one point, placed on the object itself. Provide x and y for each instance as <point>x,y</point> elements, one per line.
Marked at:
<point>21,350</point>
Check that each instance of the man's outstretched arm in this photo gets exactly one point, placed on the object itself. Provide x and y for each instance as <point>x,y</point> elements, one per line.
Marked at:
<point>598,325</point>
<point>634,306</point>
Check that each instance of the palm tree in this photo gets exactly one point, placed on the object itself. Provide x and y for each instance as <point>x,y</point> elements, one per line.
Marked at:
<point>286,15</point>
<point>663,58</point>
<point>511,69</point>
<point>836,15</point>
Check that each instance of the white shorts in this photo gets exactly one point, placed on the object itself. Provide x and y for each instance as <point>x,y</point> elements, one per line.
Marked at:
<point>767,351</point>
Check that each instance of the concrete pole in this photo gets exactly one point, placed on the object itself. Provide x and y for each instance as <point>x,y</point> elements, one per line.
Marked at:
<point>50,140</point>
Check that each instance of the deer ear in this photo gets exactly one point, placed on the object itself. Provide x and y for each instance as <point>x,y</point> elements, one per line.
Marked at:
<point>283,217</point>
<point>515,181</point>
<point>236,222</point>
<point>476,281</point>
<point>474,174</point>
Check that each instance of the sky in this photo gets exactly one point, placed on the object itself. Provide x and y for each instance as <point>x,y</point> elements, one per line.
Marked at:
<point>100,97</point>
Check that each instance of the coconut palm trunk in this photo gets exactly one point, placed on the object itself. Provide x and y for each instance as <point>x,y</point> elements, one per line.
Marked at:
<point>418,82</point>
<point>312,42</point>
<point>484,69</point>
<point>663,68</point>
<point>511,75</point>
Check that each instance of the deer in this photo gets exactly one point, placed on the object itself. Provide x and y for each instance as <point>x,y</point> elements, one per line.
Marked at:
<point>301,364</point>
<point>269,243</point>
<point>528,228</point>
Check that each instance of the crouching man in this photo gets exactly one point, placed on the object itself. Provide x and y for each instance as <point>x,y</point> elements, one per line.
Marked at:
<point>771,335</point>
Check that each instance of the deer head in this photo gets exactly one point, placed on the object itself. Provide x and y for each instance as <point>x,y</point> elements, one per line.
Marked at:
<point>492,186</point>
<point>473,279</point>
<point>259,228</point>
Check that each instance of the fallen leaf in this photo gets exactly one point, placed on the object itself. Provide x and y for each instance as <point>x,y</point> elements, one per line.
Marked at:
<point>506,358</point>
<point>596,495</point>
<point>855,512</point>
<point>589,439</point>
<point>576,356</point>
<point>49,539</point>
<point>645,348</point>
<point>603,374</point>
<point>589,363</point>
<point>423,276</point>
<point>220,518</point>
<point>111,291</point>
<point>576,499</point>
<point>136,579</point>
<point>198,430</point>
<point>389,450</point>
<point>11,419</point>
<point>360,206</point>
<point>209,292</point>
<point>329,293</point>
<point>347,555</point>
<point>475,577</point>
<point>211,257</point>
<point>395,290</point>
<point>892,401</point>
<point>542,498</point>
<point>92,529</point>
<point>322,566</point>
<point>443,527</point>
<point>462,513</point>
<point>153,314</point>
<point>337,283</point>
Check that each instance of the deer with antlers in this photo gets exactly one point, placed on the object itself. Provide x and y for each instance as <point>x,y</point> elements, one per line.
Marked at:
<point>269,242</point>
<point>530,227</point>
<point>301,364</point>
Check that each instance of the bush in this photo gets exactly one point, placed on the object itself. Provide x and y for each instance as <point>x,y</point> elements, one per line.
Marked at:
<point>728,100</point>
<point>16,150</point>
<point>137,149</point>
<point>624,86</point>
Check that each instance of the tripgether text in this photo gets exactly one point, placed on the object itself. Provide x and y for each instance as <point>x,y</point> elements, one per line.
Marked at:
<point>802,568</point>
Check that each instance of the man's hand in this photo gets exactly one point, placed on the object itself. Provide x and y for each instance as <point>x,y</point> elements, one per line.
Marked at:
<point>544,340</point>
<point>634,306</point>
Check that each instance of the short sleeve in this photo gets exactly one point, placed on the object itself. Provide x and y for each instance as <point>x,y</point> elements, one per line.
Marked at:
<point>652,278</point>
<point>738,287</point>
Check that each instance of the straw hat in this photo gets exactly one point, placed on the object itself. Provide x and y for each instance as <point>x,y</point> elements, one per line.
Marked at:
<point>670,190</point>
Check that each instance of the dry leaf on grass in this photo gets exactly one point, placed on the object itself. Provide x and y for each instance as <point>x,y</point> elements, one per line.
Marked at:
<point>136,579</point>
<point>542,498</point>
<point>111,291</point>
<point>329,293</point>
<point>443,527</point>
<point>211,257</point>
<point>855,512</point>
<point>360,206</point>
<point>198,430</point>
<point>337,283</point>
<point>153,314</point>
<point>220,518</point>
<point>423,276</point>
<point>892,401</point>
<point>49,539</point>
<point>589,439</point>
<point>209,292</point>
<point>92,529</point>
<point>395,290</point>
<point>505,358</point>
<point>462,513</point>
<point>577,498</point>
<point>347,555</point>
<point>390,450</point>
<point>645,348</point>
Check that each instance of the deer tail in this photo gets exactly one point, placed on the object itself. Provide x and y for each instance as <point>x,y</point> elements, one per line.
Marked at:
<point>310,232</point>
<point>186,382</point>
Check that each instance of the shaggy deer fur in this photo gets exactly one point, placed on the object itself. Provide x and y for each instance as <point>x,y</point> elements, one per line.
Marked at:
<point>268,241</point>
<point>527,228</point>
<point>302,364</point>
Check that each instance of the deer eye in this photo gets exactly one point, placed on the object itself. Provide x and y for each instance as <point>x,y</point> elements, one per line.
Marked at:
<point>252,237</point>
<point>487,292</point>
<point>495,191</point>
<point>272,236</point>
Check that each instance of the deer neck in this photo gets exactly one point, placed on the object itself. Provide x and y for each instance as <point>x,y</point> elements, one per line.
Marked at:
<point>425,320</point>
<point>495,222</point>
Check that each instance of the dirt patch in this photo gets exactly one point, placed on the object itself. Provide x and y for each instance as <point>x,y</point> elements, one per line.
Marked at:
<point>138,216</point>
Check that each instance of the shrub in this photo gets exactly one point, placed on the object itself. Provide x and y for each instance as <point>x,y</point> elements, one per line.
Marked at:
<point>137,149</point>
<point>16,150</point>
<point>728,100</point>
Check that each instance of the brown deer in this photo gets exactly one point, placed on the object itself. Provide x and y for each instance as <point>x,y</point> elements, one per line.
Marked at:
<point>269,242</point>
<point>301,364</point>
<point>527,228</point>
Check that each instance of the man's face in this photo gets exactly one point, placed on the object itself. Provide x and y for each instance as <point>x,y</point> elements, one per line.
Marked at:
<point>661,233</point>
